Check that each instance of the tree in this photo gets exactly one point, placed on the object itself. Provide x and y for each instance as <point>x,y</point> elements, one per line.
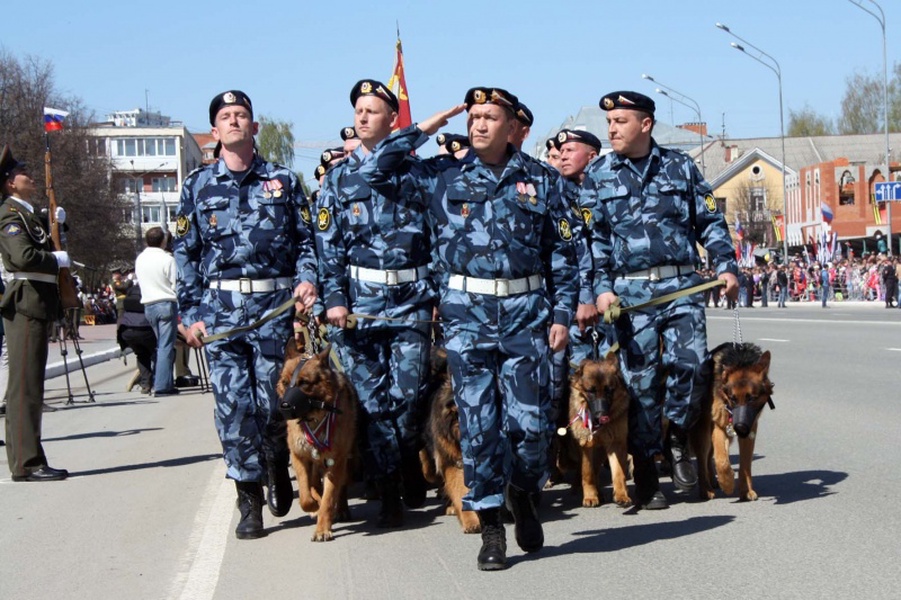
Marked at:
<point>97,235</point>
<point>276,141</point>
<point>862,105</point>
<point>807,122</point>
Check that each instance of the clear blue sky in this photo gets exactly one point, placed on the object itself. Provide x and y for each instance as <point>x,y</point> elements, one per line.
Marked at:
<point>298,60</point>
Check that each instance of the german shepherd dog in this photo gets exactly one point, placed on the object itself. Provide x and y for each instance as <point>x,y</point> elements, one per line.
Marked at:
<point>444,434</point>
<point>739,389</point>
<point>599,421</point>
<point>320,406</point>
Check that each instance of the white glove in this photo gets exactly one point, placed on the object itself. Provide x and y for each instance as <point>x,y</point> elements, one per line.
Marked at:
<point>62,259</point>
<point>60,215</point>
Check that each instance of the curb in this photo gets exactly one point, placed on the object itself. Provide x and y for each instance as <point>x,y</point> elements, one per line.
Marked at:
<point>59,368</point>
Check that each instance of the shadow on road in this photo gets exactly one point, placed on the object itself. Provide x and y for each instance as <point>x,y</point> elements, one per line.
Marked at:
<point>100,434</point>
<point>172,462</point>
<point>786,488</point>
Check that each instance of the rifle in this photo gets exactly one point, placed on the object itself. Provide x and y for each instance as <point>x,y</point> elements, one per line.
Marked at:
<point>68,291</point>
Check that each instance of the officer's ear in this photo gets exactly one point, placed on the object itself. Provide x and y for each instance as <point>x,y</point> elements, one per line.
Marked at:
<point>394,118</point>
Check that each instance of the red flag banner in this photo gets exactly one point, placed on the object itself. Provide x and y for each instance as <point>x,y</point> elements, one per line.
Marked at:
<point>53,119</point>
<point>398,85</point>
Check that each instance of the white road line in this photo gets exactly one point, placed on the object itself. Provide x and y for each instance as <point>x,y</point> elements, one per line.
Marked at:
<point>894,349</point>
<point>772,340</point>
<point>207,541</point>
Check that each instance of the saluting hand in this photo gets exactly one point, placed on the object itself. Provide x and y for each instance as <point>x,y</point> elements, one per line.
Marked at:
<point>431,125</point>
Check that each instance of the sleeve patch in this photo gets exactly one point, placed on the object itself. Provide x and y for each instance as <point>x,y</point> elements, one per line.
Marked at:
<point>325,219</point>
<point>13,229</point>
<point>566,232</point>
<point>182,226</point>
<point>710,203</point>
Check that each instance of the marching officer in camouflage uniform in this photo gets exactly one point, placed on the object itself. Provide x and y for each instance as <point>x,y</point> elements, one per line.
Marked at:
<point>350,138</point>
<point>241,248</point>
<point>453,144</point>
<point>553,155</point>
<point>30,304</point>
<point>649,208</point>
<point>499,226</point>
<point>373,247</point>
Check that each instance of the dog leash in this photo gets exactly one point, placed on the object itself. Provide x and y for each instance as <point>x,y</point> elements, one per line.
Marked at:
<point>615,311</point>
<point>284,307</point>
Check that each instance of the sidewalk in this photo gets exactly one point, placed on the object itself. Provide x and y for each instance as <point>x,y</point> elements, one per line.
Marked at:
<point>99,345</point>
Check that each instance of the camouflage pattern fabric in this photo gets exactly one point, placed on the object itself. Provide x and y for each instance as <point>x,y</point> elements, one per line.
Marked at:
<point>641,219</point>
<point>256,229</point>
<point>490,226</point>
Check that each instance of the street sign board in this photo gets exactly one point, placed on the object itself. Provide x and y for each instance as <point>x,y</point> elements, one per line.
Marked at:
<point>887,190</point>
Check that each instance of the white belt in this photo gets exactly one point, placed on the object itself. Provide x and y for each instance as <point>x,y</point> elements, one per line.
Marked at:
<point>252,286</point>
<point>658,273</point>
<point>388,277</point>
<point>45,277</point>
<point>495,287</point>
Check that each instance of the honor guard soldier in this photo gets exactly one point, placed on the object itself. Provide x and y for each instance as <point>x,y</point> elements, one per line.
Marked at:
<point>241,249</point>
<point>350,138</point>
<point>29,306</point>
<point>650,207</point>
<point>453,144</point>
<point>374,255</point>
<point>500,228</point>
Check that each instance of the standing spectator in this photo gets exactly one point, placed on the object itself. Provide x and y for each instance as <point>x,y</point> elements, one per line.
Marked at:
<point>765,285</point>
<point>782,285</point>
<point>155,269</point>
<point>890,281</point>
<point>823,280</point>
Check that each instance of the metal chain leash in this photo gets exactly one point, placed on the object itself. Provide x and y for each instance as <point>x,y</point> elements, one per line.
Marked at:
<point>736,327</point>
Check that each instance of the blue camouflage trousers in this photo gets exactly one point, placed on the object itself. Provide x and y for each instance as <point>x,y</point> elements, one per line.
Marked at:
<point>389,367</point>
<point>243,372</point>
<point>662,352</point>
<point>501,387</point>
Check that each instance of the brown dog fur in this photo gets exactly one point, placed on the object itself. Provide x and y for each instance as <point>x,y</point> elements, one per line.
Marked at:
<point>740,377</point>
<point>321,487</point>
<point>444,431</point>
<point>595,379</point>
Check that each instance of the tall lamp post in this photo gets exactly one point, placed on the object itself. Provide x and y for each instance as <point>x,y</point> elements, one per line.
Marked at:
<point>682,100</point>
<point>139,235</point>
<point>888,168</point>
<point>775,68</point>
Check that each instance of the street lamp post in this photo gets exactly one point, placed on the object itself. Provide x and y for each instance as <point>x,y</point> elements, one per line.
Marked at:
<point>139,234</point>
<point>775,68</point>
<point>682,100</point>
<point>888,167</point>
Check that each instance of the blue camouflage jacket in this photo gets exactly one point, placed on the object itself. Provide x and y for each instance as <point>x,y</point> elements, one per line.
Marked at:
<point>226,230</point>
<point>642,220</point>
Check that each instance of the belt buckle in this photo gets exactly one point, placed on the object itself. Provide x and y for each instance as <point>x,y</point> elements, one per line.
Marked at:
<point>245,285</point>
<point>390,277</point>
<point>654,274</point>
<point>501,287</point>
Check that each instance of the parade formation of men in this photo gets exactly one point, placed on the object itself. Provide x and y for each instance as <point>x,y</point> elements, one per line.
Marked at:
<point>517,258</point>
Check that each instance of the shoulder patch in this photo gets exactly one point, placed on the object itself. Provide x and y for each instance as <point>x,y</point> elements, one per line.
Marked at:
<point>182,225</point>
<point>324,220</point>
<point>305,215</point>
<point>586,216</point>
<point>13,229</point>
<point>566,232</point>
<point>710,203</point>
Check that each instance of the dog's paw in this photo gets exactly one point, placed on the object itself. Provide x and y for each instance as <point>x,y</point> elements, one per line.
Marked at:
<point>590,501</point>
<point>749,495</point>
<point>623,501</point>
<point>323,536</point>
<point>470,523</point>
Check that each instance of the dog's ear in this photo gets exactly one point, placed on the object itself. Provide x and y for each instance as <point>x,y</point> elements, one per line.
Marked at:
<point>763,365</point>
<point>612,358</point>
<point>323,356</point>
<point>291,350</point>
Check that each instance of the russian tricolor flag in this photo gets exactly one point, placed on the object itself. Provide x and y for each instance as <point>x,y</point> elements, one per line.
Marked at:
<point>826,212</point>
<point>53,119</point>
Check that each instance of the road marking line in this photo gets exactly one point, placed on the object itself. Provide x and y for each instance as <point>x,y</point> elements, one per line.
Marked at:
<point>894,349</point>
<point>772,340</point>
<point>207,541</point>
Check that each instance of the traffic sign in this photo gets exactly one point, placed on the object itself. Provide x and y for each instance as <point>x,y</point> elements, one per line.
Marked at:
<point>887,190</point>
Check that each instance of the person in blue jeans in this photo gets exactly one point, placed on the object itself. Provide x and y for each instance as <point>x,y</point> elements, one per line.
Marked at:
<point>155,270</point>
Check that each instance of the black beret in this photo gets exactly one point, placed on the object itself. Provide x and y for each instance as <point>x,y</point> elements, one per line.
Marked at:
<point>453,142</point>
<point>227,99</point>
<point>488,95</point>
<point>8,164</point>
<point>371,87</point>
<point>550,143</point>
<point>331,155</point>
<point>319,171</point>
<point>577,135</point>
<point>629,100</point>
<point>524,115</point>
<point>349,133</point>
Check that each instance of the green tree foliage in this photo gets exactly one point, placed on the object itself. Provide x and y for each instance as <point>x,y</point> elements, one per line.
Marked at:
<point>97,235</point>
<point>807,122</point>
<point>276,141</point>
<point>862,105</point>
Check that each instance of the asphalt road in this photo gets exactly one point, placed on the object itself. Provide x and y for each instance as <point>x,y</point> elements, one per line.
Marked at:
<point>147,512</point>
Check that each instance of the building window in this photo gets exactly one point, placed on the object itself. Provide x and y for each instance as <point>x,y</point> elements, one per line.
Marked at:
<point>132,186</point>
<point>165,184</point>
<point>150,214</point>
<point>146,147</point>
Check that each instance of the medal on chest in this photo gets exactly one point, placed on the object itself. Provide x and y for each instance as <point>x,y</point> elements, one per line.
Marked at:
<point>464,211</point>
<point>355,209</point>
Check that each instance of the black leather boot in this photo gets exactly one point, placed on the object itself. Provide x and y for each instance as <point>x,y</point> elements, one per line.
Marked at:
<point>250,505</point>
<point>279,493</point>
<point>527,529</point>
<point>415,485</point>
<point>493,554</point>
<point>647,486</point>
<point>685,476</point>
<point>391,511</point>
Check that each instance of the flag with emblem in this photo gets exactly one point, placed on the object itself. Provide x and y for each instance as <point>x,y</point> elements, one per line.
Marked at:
<point>398,85</point>
<point>53,119</point>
